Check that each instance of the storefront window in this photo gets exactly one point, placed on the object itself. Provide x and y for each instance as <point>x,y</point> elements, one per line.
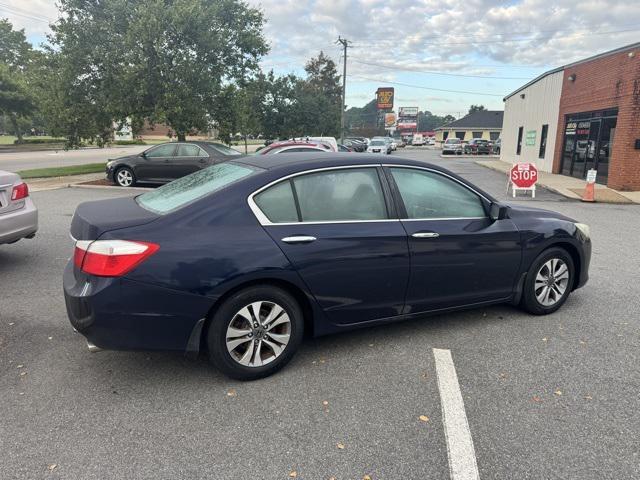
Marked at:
<point>588,139</point>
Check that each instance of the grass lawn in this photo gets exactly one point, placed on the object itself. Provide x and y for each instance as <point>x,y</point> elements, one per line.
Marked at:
<point>9,139</point>
<point>62,171</point>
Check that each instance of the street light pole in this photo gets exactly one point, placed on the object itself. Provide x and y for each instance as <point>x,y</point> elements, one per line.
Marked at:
<point>345,44</point>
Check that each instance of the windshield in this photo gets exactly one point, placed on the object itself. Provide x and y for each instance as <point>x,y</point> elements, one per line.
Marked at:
<point>185,190</point>
<point>376,143</point>
<point>219,147</point>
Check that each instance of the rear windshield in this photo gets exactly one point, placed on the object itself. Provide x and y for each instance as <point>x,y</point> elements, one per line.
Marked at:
<point>223,149</point>
<point>377,142</point>
<point>185,190</point>
<point>453,140</point>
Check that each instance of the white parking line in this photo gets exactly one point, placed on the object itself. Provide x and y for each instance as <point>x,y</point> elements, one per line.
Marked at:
<point>462,456</point>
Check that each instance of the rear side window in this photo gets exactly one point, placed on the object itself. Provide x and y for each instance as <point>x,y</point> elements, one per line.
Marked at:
<point>185,190</point>
<point>187,150</point>
<point>431,195</point>
<point>328,196</point>
<point>278,203</point>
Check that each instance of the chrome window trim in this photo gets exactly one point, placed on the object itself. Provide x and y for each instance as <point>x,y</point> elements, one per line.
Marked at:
<point>264,221</point>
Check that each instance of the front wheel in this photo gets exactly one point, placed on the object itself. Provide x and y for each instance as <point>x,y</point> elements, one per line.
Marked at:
<point>549,282</point>
<point>255,332</point>
<point>125,177</point>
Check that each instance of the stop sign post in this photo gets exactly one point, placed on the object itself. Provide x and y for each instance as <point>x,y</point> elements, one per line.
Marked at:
<point>523,176</point>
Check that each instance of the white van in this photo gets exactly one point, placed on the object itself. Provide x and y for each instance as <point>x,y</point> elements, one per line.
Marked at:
<point>418,139</point>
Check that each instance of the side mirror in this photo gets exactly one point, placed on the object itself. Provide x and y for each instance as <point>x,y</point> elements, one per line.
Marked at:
<point>498,212</point>
<point>143,155</point>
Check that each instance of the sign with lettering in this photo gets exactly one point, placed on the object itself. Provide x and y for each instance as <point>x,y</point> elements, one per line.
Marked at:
<point>384,98</point>
<point>530,138</point>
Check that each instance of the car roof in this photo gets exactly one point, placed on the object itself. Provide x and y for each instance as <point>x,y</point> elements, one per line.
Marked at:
<point>300,161</point>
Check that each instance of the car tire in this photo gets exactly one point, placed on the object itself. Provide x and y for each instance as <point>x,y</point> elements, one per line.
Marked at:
<point>534,289</point>
<point>124,177</point>
<point>236,360</point>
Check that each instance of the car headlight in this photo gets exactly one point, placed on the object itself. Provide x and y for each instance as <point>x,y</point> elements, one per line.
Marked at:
<point>584,229</point>
<point>110,163</point>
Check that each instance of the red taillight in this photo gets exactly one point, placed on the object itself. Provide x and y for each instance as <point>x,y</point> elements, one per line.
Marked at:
<point>19,192</point>
<point>111,258</point>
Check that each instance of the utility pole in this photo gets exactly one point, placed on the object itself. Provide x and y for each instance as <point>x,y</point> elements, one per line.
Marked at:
<point>345,44</point>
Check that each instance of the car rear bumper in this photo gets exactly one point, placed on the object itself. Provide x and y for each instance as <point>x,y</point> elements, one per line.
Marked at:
<point>122,314</point>
<point>19,223</point>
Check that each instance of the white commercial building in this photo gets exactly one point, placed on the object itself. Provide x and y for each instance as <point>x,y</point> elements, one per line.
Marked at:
<point>531,121</point>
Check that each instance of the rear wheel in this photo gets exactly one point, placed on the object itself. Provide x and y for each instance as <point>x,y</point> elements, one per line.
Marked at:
<point>548,282</point>
<point>255,332</point>
<point>124,177</point>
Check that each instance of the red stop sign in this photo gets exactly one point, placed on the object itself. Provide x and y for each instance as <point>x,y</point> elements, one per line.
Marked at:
<point>524,175</point>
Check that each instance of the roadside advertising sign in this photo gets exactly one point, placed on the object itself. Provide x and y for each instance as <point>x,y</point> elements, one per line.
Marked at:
<point>389,120</point>
<point>523,176</point>
<point>408,112</point>
<point>384,98</point>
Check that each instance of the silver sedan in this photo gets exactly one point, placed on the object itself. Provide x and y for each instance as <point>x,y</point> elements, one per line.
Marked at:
<point>18,214</point>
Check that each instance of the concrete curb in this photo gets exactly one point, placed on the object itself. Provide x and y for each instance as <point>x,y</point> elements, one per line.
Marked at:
<point>466,155</point>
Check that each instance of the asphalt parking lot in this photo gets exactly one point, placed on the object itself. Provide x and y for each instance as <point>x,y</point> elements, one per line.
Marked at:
<point>545,397</point>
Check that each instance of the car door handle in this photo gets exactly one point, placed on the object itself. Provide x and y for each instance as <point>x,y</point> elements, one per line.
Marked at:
<point>299,239</point>
<point>425,235</point>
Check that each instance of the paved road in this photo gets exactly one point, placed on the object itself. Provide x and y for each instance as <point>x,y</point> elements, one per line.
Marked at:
<point>130,415</point>
<point>16,161</point>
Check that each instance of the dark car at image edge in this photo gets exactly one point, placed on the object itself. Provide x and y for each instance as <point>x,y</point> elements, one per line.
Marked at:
<point>240,259</point>
<point>166,162</point>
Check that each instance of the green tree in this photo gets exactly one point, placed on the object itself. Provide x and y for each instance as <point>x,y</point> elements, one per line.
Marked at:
<point>15,100</point>
<point>161,60</point>
<point>476,108</point>
<point>16,96</point>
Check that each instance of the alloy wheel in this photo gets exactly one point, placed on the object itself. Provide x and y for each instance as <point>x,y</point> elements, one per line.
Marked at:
<point>258,333</point>
<point>551,282</point>
<point>124,178</point>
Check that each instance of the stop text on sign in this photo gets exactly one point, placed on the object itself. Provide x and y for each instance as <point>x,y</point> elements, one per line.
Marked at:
<point>524,175</point>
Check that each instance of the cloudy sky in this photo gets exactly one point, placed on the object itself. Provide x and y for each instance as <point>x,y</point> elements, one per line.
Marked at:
<point>440,55</point>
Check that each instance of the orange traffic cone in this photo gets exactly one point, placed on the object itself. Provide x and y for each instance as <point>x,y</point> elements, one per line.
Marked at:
<point>589,194</point>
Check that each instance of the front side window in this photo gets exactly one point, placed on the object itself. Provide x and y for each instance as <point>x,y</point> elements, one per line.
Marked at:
<point>165,150</point>
<point>430,195</point>
<point>185,190</point>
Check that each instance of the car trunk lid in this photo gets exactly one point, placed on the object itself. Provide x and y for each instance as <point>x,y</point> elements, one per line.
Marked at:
<point>7,182</point>
<point>92,219</point>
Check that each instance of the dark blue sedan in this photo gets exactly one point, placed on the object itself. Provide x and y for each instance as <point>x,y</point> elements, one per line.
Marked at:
<point>244,257</point>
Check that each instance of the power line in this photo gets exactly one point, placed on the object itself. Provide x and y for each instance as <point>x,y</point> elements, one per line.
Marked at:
<point>429,88</point>
<point>24,13</point>
<point>430,72</point>
<point>22,10</point>
<point>479,42</point>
